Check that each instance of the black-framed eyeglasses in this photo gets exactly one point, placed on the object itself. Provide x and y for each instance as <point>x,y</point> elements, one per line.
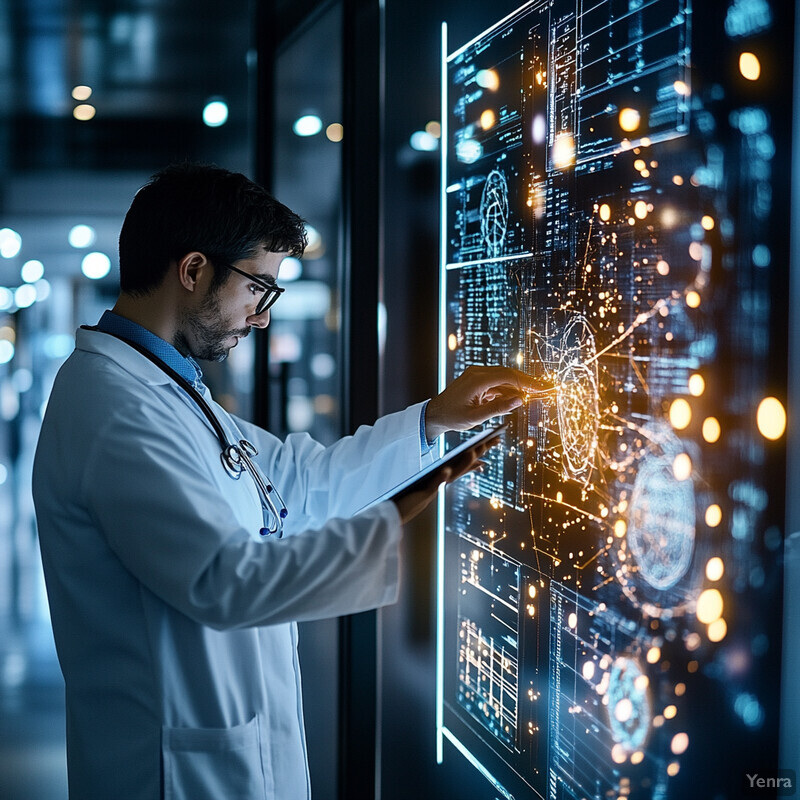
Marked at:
<point>271,290</point>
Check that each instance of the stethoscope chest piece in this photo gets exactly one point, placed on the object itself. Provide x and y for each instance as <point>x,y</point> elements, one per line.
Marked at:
<point>236,458</point>
<point>231,458</point>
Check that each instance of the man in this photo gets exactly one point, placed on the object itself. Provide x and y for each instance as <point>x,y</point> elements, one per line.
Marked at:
<point>174,614</point>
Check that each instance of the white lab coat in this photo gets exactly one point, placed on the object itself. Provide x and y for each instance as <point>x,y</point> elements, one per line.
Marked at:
<point>174,620</point>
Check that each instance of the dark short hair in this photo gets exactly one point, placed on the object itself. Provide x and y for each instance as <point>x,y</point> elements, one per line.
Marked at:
<point>188,207</point>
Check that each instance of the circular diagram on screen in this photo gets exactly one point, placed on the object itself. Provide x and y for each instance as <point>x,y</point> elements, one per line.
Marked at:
<point>494,213</point>
<point>577,400</point>
<point>629,711</point>
<point>661,515</point>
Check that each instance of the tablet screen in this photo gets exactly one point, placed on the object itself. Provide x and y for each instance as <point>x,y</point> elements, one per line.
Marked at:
<point>448,456</point>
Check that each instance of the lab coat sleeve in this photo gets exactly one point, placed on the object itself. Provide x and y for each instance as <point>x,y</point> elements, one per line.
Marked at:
<point>318,482</point>
<point>149,493</point>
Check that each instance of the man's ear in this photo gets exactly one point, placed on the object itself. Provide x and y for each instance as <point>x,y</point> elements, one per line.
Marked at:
<point>191,268</point>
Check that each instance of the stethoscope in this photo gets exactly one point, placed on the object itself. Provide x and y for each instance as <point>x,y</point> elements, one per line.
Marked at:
<point>236,457</point>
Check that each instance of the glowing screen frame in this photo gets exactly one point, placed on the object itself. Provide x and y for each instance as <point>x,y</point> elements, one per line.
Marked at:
<point>668,496</point>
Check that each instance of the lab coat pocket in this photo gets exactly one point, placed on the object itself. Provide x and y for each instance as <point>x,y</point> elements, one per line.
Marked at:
<point>210,763</point>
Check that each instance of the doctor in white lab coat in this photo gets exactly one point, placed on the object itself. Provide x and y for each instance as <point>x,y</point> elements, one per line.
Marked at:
<point>174,618</point>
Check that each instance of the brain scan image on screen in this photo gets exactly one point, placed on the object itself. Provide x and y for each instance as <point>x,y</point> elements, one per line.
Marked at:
<point>494,213</point>
<point>607,198</point>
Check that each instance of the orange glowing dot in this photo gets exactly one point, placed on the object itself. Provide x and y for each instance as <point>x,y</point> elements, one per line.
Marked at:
<point>639,164</point>
<point>488,119</point>
<point>715,568</point>
<point>749,66</point>
<point>572,620</point>
<point>335,132</point>
<point>711,430</point>
<point>653,654</point>
<point>692,299</point>
<point>680,414</point>
<point>713,515</point>
<point>629,119</point>
<point>709,606</point>
<point>84,112</point>
<point>696,385</point>
<point>640,209</point>
<point>771,418</point>
<point>682,467</point>
<point>670,712</point>
<point>618,754</point>
<point>707,223</point>
<point>563,153</point>
<point>620,527</point>
<point>662,267</point>
<point>681,88</point>
<point>434,128</point>
<point>669,217</point>
<point>680,689</point>
<point>677,180</point>
<point>693,641</point>
<point>81,93</point>
<point>637,757</point>
<point>623,710</point>
<point>696,251</point>
<point>717,630</point>
<point>673,769</point>
<point>605,212</point>
<point>680,741</point>
<point>452,342</point>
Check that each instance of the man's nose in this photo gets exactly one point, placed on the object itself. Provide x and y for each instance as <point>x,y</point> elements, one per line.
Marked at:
<point>259,320</point>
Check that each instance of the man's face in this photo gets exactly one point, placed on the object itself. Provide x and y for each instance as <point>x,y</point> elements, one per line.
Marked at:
<point>226,314</point>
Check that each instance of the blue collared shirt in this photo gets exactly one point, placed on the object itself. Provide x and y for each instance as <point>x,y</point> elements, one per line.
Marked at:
<point>185,366</point>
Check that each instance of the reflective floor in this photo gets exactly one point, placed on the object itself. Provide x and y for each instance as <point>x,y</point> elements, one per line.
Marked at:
<point>32,749</point>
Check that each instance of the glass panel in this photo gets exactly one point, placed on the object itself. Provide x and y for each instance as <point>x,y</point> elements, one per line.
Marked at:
<point>304,391</point>
<point>304,332</point>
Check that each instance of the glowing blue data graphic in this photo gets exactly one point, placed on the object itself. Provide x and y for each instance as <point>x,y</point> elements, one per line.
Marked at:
<point>608,584</point>
<point>488,633</point>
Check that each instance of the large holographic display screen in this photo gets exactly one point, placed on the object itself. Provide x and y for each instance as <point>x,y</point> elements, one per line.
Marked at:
<point>604,583</point>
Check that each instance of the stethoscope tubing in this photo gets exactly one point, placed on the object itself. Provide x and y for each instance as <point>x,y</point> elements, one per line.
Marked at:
<point>235,456</point>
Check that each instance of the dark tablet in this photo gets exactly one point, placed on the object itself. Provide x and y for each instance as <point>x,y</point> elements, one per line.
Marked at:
<point>448,456</point>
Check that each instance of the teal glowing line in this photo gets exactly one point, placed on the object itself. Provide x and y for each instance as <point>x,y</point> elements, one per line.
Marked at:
<point>477,764</point>
<point>442,379</point>
<point>489,30</point>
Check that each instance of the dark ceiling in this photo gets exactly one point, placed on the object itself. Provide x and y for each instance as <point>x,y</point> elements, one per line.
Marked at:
<point>152,66</point>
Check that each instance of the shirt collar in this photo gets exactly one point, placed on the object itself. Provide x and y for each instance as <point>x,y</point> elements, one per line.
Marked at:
<point>185,366</point>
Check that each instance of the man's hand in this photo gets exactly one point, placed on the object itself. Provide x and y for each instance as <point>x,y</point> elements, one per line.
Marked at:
<point>476,395</point>
<point>412,501</point>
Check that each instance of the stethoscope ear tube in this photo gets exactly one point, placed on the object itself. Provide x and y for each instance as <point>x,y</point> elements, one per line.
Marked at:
<point>235,457</point>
